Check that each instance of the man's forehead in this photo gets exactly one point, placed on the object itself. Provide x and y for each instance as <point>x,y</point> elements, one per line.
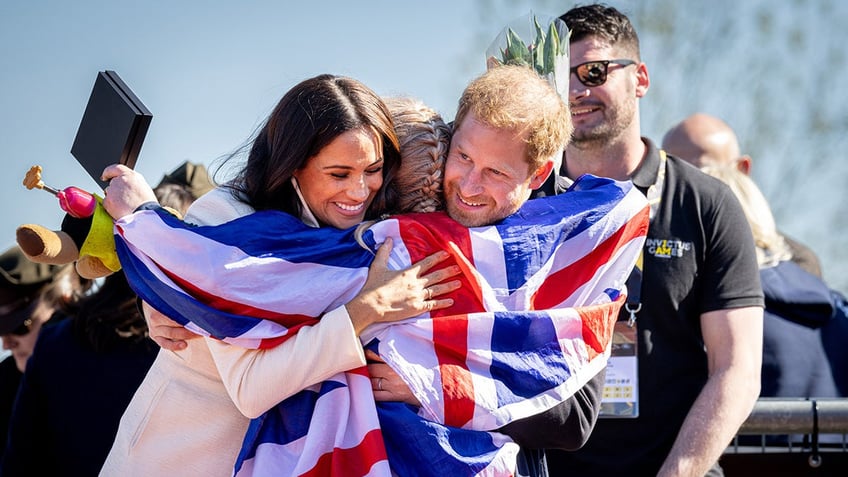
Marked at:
<point>472,125</point>
<point>591,48</point>
<point>488,143</point>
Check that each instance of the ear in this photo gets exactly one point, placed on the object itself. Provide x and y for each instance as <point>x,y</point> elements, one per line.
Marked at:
<point>643,80</point>
<point>744,164</point>
<point>541,174</point>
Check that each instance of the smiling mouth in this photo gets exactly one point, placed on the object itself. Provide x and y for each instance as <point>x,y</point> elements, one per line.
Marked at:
<point>471,204</point>
<point>576,111</point>
<point>350,208</point>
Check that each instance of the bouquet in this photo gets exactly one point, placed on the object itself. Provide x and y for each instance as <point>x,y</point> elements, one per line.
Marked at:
<point>547,54</point>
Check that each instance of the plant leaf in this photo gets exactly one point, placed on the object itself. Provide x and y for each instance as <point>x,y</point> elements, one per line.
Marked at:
<point>551,48</point>
<point>539,48</point>
<point>516,50</point>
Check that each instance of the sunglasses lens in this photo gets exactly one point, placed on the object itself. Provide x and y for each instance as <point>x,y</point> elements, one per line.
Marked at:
<point>592,74</point>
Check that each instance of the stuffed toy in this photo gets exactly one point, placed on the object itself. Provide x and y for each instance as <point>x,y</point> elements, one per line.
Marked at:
<point>85,235</point>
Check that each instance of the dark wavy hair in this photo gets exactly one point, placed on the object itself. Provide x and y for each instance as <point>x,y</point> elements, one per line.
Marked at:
<point>109,319</point>
<point>309,117</point>
<point>605,23</point>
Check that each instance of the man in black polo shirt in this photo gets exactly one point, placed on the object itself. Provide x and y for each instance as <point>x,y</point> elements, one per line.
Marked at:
<point>697,309</point>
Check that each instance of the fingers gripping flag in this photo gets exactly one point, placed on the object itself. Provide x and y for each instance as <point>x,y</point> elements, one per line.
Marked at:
<point>530,325</point>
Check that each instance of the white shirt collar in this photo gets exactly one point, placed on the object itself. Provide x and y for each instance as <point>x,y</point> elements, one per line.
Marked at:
<point>306,214</point>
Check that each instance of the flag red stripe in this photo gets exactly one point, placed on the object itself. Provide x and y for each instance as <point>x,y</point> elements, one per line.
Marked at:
<point>356,460</point>
<point>450,342</point>
<point>423,234</point>
<point>565,282</point>
<point>598,325</point>
<point>427,232</point>
<point>285,319</point>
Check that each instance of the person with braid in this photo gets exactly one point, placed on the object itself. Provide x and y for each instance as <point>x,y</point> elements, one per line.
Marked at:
<point>424,139</point>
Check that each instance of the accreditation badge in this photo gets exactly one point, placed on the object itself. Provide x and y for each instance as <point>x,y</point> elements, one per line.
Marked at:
<point>621,387</point>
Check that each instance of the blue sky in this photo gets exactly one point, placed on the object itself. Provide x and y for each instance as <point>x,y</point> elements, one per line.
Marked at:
<point>208,71</point>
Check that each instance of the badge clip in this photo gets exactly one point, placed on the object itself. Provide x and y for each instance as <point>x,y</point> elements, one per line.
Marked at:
<point>632,310</point>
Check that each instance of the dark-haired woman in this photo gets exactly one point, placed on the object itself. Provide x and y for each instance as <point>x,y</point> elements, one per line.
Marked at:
<point>327,154</point>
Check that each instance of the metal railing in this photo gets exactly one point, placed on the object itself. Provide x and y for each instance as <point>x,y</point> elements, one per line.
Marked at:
<point>814,430</point>
<point>797,416</point>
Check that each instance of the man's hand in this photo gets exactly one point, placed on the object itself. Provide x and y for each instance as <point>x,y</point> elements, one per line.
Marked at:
<point>386,383</point>
<point>164,331</point>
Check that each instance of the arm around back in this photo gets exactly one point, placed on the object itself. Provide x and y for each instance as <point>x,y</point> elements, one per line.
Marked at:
<point>566,426</point>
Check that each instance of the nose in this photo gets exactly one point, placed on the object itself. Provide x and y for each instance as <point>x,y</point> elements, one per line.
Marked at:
<point>359,189</point>
<point>577,89</point>
<point>8,342</point>
<point>471,183</point>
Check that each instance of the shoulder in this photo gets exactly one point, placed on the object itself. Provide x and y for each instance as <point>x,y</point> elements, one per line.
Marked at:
<point>54,339</point>
<point>54,331</point>
<point>681,181</point>
<point>216,207</point>
<point>797,295</point>
<point>690,178</point>
<point>700,193</point>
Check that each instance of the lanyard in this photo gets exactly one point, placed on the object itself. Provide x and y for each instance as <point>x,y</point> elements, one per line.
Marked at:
<point>634,281</point>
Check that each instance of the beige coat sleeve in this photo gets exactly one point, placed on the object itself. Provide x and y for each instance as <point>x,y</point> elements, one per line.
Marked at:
<point>256,380</point>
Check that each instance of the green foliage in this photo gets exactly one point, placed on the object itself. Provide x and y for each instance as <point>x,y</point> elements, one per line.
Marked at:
<point>541,54</point>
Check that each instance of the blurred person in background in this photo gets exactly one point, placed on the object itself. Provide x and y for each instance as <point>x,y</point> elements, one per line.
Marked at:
<point>703,140</point>
<point>798,304</point>
<point>31,295</point>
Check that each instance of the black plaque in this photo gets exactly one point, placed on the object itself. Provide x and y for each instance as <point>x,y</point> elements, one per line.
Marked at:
<point>112,128</point>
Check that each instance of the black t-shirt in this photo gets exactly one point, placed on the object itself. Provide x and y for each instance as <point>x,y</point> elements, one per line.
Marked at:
<point>699,257</point>
<point>71,400</point>
<point>10,379</point>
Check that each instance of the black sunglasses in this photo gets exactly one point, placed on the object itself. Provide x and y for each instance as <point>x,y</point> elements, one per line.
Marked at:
<point>594,73</point>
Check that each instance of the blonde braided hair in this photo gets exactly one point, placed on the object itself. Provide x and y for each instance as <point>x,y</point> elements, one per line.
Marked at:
<point>424,141</point>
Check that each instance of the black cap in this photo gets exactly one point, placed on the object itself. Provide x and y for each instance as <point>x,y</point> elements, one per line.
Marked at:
<point>21,280</point>
<point>193,176</point>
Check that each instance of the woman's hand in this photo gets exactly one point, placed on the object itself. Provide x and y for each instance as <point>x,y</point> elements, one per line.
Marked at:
<point>165,332</point>
<point>390,295</point>
<point>386,383</point>
<point>126,191</point>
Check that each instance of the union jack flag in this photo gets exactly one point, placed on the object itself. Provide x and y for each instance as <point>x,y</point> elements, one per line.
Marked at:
<point>531,324</point>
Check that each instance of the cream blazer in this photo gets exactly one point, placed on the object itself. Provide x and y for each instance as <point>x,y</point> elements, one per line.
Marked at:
<point>192,410</point>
